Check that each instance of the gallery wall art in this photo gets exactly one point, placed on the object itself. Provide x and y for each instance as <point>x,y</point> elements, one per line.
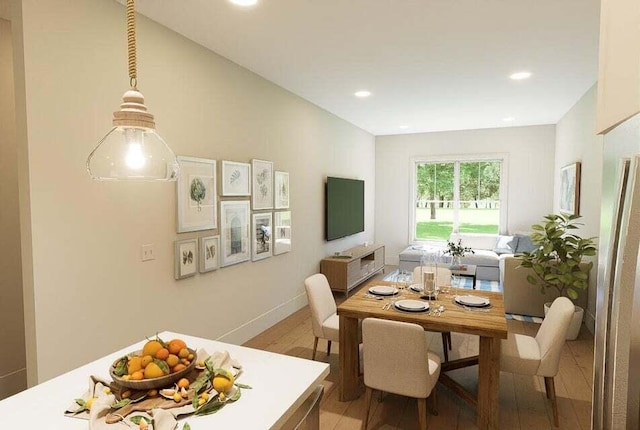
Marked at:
<point>235,243</point>
<point>262,184</point>
<point>196,194</point>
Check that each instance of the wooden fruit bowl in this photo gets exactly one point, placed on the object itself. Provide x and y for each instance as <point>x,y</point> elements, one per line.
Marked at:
<point>155,383</point>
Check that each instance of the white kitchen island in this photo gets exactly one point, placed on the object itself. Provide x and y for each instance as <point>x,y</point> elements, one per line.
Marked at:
<point>280,384</point>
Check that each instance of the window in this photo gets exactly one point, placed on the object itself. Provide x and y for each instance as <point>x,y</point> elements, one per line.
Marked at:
<point>461,196</point>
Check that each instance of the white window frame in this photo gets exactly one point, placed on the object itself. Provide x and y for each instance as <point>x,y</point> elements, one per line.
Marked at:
<point>413,177</point>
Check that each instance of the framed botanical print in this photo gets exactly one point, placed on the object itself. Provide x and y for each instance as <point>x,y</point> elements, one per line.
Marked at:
<point>570,189</point>
<point>186,258</point>
<point>236,178</point>
<point>209,253</point>
<point>235,238</point>
<point>281,232</point>
<point>261,227</point>
<point>281,180</point>
<point>262,184</point>
<point>196,194</point>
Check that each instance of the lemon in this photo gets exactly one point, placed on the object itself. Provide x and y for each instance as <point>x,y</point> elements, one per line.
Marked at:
<point>153,371</point>
<point>89,402</point>
<point>134,364</point>
<point>223,383</point>
<point>151,348</point>
<point>146,360</point>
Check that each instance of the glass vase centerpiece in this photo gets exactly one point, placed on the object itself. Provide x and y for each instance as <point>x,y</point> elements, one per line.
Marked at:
<point>456,250</point>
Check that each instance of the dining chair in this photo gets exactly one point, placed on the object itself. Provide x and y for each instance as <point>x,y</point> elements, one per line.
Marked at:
<point>443,278</point>
<point>397,360</point>
<point>540,355</point>
<point>324,319</point>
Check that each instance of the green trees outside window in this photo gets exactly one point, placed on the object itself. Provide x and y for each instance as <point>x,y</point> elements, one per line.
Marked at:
<point>462,196</point>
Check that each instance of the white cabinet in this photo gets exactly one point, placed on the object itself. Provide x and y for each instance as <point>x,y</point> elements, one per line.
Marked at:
<point>619,63</point>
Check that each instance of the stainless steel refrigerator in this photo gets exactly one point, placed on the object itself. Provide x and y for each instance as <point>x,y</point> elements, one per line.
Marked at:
<point>616,388</point>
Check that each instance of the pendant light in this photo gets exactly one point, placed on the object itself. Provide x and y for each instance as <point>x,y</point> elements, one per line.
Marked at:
<point>132,149</point>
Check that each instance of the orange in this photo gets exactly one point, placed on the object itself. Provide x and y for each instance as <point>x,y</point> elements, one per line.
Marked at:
<point>162,354</point>
<point>178,367</point>
<point>223,383</point>
<point>184,353</point>
<point>172,360</point>
<point>137,376</point>
<point>151,348</point>
<point>176,345</point>
<point>183,383</point>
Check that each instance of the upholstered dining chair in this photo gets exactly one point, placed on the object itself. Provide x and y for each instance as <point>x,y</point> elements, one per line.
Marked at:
<point>540,355</point>
<point>443,278</point>
<point>397,360</point>
<point>324,319</point>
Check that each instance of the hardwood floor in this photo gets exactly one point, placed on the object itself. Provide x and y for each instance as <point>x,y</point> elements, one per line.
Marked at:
<point>523,403</point>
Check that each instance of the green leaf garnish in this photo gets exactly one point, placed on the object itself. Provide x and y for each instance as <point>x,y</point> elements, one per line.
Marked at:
<point>162,365</point>
<point>121,404</point>
<point>121,367</point>
<point>82,404</point>
<point>136,419</point>
<point>239,385</point>
<point>186,426</point>
<point>210,408</point>
<point>235,396</point>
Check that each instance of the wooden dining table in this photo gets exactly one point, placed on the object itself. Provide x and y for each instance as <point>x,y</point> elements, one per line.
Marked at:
<point>489,324</point>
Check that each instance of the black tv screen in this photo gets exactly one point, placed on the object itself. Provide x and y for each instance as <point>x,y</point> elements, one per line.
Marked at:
<point>344,207</point>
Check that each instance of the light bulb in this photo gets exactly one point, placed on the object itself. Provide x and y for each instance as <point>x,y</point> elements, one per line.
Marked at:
<point>135,156</point>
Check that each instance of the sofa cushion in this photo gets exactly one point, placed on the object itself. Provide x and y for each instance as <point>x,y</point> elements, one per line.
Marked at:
<point>482,257</point>
<point>503,245</point>
<point>475,241</point>
<point>524,244</point>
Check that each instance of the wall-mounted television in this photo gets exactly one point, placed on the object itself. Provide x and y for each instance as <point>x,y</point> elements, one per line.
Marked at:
<point>344,206</point>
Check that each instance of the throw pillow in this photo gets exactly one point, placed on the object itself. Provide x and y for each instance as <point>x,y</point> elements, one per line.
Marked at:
<point>503,245</point>
<point>525,244</point>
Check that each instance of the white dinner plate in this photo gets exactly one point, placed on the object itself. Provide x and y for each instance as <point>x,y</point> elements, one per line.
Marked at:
<point>473,301</point>
<point>416,287</point>
<point>383,290</point>
<point>412,305</point>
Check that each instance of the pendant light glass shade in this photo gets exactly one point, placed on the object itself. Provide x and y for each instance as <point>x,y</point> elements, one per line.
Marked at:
<point>132,149</point>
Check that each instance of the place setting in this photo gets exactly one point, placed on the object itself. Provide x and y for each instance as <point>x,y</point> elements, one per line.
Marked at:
<point>473,303</point>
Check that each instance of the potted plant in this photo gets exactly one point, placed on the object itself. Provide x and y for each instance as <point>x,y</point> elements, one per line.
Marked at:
<point>557,264</point>
<point>457,251</point>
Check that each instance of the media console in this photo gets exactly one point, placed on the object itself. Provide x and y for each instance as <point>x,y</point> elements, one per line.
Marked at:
<point>353,266</point>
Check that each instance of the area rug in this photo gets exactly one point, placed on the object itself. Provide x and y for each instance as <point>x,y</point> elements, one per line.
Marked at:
<point>482,285</point>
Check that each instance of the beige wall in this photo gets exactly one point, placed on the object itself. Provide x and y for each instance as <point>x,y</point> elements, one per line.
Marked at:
<point>91,293</point>
<point>576,140</point>
<point>12,354</point>
<point>529,151</point>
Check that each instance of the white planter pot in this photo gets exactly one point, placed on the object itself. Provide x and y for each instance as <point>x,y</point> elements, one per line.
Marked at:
<point>576,322</point>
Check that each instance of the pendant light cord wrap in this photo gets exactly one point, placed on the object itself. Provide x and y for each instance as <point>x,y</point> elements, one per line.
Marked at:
<point>131,43</point>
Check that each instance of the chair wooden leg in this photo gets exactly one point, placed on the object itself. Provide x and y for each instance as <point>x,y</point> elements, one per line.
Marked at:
<point>551,394</point>
<point>315,348</point>
<point>422,414</point>
<point>444,347</point>
<point>546,387</point>
<point>328,347</point>
<point>434,402</point>
<point>367,403</point>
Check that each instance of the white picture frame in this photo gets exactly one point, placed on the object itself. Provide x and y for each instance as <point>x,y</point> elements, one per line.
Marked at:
<point>261,227</point>
<point>281,190</point>
<point>570,189</point>
<point>281,236</point>
<point>262,184</point>
<point>235,238</point>
<point>209,253</point>
<point>196,194</point>
<point>186,258</point>
<point>236,179</point>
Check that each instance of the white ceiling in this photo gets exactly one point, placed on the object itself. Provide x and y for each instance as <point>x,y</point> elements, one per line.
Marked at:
<point>431,64</point>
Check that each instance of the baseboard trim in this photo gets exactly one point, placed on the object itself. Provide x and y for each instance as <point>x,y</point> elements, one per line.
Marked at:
<point>252,328</point>
<point>13,383</point>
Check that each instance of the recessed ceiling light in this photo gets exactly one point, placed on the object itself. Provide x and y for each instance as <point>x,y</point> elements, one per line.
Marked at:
<point>508,119</point>
<point>519,76</point>
<point>362,94</point>
<point>244,2</point>
<point>403,127</point>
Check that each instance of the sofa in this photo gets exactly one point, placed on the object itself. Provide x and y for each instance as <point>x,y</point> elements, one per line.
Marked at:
<point>521,297</point>
<point>487,250</point>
